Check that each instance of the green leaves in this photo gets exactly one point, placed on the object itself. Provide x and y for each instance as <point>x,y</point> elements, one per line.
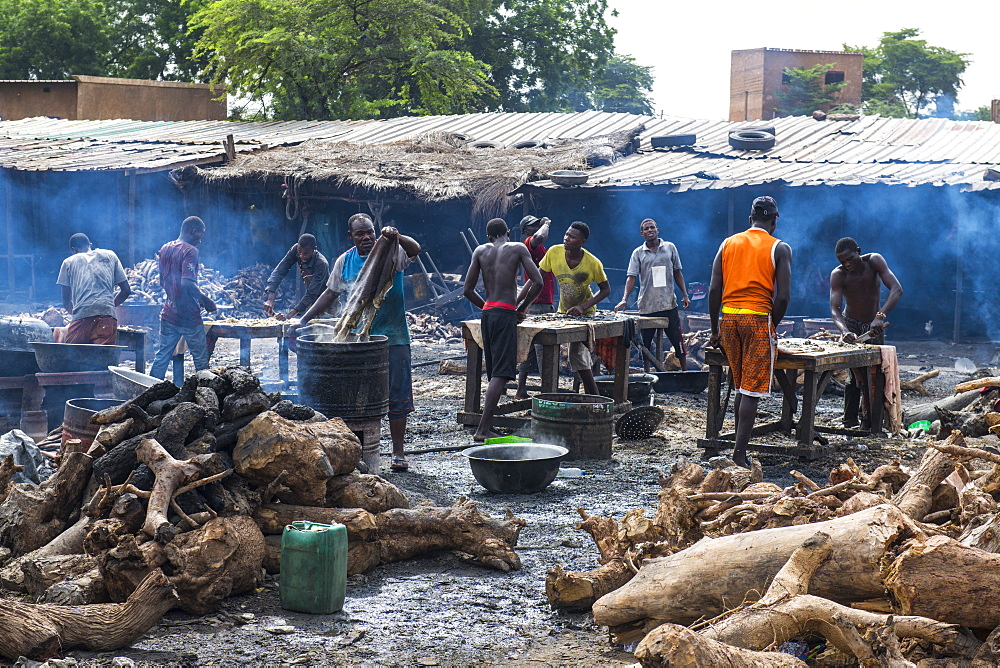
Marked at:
<point>904,75</point>
<point>804,91</point>
<point>51,39</point>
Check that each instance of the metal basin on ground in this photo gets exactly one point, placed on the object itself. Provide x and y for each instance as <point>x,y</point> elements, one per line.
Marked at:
<point>67,357</point>
<point>693,382</point>
<point>639,386</point>
<point>515,468</point>
<point>128,384</point>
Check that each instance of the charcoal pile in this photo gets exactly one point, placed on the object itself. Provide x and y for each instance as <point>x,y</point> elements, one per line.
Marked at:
<point>247,288</point>
<point>428,327</point>
<point>180,502</point>
<point>892,567</point>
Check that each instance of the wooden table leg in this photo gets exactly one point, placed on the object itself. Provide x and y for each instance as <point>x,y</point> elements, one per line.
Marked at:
<point>550,369</point>
<point>714,400</point>
<point>878,401</point>
<point>473,378</point>
<point>622,351</point>
<point>283,360</point>
<point>245,352</point>
<point>804,431</point>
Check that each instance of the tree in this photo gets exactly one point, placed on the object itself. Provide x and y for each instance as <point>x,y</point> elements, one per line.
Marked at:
<point>624,86</point>
<point>52,39</point>
<point>345,58</point>
<point>544,55</point>
<point>151,40</point>
<point>804,90</point>
<point>904,74</point>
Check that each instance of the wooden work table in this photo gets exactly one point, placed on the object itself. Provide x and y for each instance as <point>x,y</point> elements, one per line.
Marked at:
<point>818,368</point>
<point>562,330</point>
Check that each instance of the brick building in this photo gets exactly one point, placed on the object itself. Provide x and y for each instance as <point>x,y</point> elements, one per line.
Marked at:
<point>757,75</point>
<point>102,98</point>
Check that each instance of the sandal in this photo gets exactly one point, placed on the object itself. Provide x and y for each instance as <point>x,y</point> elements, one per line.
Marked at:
<point>399,464</point>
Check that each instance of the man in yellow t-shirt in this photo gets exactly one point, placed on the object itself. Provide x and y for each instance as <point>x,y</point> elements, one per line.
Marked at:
<point>575,269</point>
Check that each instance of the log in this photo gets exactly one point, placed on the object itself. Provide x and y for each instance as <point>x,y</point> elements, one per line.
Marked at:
<point>675,646</point>
<point>578,590</point>
<point>686,586</point>
<point>272,518</point>
<point>178,425</point>
<point>970,385</point>
<point>938,577</point>
<point>916,496</point>
<point>917,384</point>
<point>988,655</point>
<point>82,589</point>
<point>311,453</point>
<point>162,390</point>
<point>406,532</point>
<point>928,411</point>
<point>42,572</point>
<point>31,515</point>
<point>366,491</point>
<point>43,631</point>
<point>170,475</point>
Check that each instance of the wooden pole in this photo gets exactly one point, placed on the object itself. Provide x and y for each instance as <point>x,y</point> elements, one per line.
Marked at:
<point>9,222</point>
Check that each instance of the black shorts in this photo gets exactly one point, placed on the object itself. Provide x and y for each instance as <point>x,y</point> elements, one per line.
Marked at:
<point>673,329</point>
<point>499,327</point>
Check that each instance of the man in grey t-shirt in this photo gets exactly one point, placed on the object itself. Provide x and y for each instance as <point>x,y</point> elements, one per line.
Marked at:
<point>88,278</point>
<point>658,266</point>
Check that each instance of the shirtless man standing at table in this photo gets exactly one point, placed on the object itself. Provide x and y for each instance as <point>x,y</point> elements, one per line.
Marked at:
<point>858,280</point>
<point>499,262</point>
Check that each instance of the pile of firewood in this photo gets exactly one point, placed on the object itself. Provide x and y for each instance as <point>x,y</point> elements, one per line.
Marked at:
<point>428,327</point>
<point>892,567</point>
<point>171,504</point>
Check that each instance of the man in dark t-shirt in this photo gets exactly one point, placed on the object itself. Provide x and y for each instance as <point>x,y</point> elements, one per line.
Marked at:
<point>181,315</point>
<point>535,232</point>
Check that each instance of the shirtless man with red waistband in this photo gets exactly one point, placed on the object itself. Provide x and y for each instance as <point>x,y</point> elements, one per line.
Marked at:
<point>751,284</point>
<point>499,262</point>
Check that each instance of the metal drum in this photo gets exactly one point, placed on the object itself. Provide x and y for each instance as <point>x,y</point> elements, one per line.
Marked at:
<point>583,423</point>
<point>76,419</point>
<point>348,380</point>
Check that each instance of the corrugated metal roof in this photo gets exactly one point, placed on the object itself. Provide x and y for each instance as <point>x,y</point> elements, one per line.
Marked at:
<point>810,152</point>
<point>62,145</point>
<point>504,128</point>
<point>57,144</point>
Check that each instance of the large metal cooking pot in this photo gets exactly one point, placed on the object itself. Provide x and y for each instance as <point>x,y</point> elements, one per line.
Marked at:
<point>693,382</point>
<point>515,468</point>
<point>18,355</point>
<point>639,386</point>
<point>66,357</point>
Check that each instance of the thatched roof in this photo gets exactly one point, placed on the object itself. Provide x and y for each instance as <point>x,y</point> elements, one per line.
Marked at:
<point>432,168</point>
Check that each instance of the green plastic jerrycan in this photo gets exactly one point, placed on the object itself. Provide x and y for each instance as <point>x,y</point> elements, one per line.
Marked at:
<point>313,567</point>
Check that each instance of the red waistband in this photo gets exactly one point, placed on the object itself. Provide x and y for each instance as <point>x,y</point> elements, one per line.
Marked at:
<point>503,305</point>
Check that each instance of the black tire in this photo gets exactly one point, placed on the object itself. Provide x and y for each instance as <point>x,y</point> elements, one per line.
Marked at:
<point>666,141</point>
<point>751,140</point>
<point>758,128</point>
<point>530,143</point>
<point>485,144</point>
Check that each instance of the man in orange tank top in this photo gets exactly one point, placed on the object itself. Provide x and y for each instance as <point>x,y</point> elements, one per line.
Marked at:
<point>751,283</point>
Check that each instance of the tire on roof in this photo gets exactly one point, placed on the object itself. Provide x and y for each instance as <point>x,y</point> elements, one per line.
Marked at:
<point>759,128</point>
<point>529,143</point>
<point>666,141</point>
<point>751,140</point>
<point>485,144</point>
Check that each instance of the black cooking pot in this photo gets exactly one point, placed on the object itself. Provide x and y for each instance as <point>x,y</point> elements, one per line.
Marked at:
<point>639,386</point>
<point>693,382</point>
<point>515,468</point>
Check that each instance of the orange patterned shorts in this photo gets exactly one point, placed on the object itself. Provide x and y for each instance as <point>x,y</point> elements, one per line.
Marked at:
<point>748,343</point>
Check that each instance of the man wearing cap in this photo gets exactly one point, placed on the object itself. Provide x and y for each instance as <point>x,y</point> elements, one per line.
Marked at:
<point>313,268</point>
<point>657,264</point>
<point>751,285</point>
<point>858,280</point>
<point>535,232</point>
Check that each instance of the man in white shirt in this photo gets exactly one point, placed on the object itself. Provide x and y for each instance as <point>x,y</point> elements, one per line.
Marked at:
<point>657,264</point>
<point>88,278</point>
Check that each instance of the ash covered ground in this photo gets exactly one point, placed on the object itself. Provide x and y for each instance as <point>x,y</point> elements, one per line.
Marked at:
<point>441,610</point>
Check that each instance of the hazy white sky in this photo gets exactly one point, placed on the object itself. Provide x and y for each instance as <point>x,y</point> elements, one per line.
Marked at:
<point>689,43</point>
